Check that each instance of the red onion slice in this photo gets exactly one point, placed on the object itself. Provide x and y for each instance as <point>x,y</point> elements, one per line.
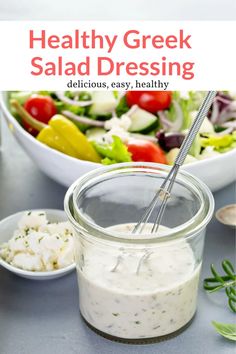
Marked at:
<point>83,120</point>
<point>164,120</point>
<point>223,100</point>
<point>177,124</point>
<point>214,113</point>
<point>232,106</point>
<point>230,124</point>
<point>226,116</point>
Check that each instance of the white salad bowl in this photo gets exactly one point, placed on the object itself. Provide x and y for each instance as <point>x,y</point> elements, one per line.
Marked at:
<point>216,172</point>
<point>8,226</point>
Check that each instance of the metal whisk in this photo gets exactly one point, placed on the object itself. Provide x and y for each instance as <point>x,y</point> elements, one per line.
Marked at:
<point>164,191</point>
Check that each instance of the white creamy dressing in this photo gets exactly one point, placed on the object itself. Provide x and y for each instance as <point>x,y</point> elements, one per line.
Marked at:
<point>139,292</point>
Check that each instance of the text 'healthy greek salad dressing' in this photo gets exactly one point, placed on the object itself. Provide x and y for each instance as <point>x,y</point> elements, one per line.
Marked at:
<point>139,292</point>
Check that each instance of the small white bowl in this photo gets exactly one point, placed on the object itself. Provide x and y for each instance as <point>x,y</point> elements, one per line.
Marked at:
<point>8,226</point>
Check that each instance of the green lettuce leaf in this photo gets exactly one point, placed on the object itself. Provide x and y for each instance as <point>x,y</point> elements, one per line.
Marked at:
<point>187,104</point>
<point>195,99</point>
<point>113,153</point>
<point>20,96</point>
<point>122,107</point>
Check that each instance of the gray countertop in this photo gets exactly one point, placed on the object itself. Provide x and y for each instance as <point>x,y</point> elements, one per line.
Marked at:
<point>43,317</point>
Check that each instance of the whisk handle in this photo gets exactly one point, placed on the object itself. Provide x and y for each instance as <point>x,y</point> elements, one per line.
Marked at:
<point>189,138</point>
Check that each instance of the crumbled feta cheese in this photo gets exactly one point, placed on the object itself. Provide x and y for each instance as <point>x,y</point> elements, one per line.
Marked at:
<point>118,127</point>
<point>17,243</point>
<point>49,259</point>
<point>38,245</point>
<point>122,134</point>
<point>62,229</point>
<point>34,240</point>
<point>66,254</point>
<point>27,261</point>
<point>124,122</point>
<point>32,220</point>
<point>52,242</point>
<point>4,250</point>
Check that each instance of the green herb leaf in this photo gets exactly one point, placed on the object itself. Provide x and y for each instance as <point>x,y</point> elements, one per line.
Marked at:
<point>226,330</point>
<point>226,282</point>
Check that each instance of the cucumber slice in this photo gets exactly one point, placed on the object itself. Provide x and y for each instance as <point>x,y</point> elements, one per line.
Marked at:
<point>95,134</point>
<point>196,145</point>
<point>172,154</point>
<point>104,102</point>
<point>142,121</point>
<point>206,126</point>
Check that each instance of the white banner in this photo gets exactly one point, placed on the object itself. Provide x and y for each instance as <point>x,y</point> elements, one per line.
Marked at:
<point>117,55</point>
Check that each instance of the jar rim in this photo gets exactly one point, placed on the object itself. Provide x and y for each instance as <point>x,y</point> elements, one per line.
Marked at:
<point>189,228</point>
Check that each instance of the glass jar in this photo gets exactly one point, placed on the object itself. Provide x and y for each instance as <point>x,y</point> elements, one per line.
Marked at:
<point>137,288</point>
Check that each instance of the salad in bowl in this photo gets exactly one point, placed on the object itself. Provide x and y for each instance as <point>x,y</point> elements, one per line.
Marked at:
<point>110,127</point>
<point>82,129</point>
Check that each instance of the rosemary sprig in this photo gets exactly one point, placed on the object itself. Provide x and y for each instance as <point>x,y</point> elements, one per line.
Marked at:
<point>226,282</point>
